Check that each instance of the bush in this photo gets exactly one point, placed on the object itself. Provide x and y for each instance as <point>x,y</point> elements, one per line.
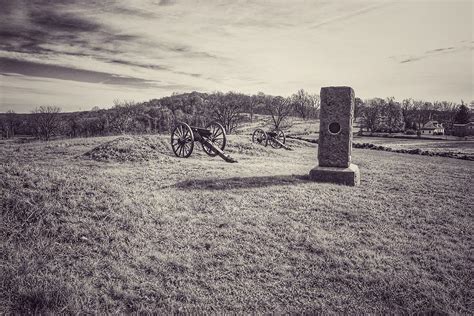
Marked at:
<point>410,132</point>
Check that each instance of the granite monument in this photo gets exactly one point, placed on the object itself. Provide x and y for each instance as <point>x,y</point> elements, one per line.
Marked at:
<point>335,138</point>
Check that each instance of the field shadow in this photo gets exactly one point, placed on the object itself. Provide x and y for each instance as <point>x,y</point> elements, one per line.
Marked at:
<point>241,182</point>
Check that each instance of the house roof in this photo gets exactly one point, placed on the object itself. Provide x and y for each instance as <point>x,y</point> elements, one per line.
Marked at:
<point>432,125</point>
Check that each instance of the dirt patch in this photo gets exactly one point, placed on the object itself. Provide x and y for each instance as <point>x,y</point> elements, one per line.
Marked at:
<point>132,148</point>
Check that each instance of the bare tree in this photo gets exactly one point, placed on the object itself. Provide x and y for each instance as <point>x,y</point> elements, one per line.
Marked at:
<point>358,107</point>
<point>227,109</point>
<point>446,112</point>
<point>305,104</point>
<point>123,115</point>
<point>3,127</point>
<point>10,124</point>
<point>73,126</point>
<point>315,103</point>
<point>422,113</point>
<point>407,111</point>
<point>253,102</point>
<point>393,116</point>
<point>300,101</point>
<point>279,108</point>
<point>371,113</point>
<point>46,121</point>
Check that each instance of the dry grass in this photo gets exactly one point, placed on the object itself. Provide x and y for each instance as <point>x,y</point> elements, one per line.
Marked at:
<point>452,146</point>
<point>291,125</point>
<point>197,234</point>
<point>132,148</point>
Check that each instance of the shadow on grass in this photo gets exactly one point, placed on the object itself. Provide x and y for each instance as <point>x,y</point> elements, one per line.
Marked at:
<point>241,182</point>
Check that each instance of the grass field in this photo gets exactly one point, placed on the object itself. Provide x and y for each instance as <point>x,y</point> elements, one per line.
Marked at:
<point>456,146</point>
<point>129,229</point>
<point>309,129</point>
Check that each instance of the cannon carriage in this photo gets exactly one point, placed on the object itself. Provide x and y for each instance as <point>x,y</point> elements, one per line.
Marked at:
<point>213,140</point>
<point>275,138</point>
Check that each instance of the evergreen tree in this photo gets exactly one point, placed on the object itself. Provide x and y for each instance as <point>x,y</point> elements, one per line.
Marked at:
<point>462,115</point>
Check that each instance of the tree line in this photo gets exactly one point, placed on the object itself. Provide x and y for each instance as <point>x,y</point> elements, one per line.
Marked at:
<point>391,116</point>
<point>230,109</point>
<point>159,115</point>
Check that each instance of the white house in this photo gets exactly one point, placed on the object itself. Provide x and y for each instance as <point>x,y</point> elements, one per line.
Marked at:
<point>432,128</point>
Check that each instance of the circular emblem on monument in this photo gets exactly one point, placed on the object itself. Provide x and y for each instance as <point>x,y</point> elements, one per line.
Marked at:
<point>334,128</point>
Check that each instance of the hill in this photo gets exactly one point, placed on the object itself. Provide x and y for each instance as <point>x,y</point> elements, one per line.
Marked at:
<point>117,235</point>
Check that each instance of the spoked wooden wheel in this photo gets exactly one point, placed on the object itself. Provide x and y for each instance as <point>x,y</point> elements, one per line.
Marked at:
<point>280,136</point>
<point>260,137</point>
<point>217,138</point>
<point>182,140</point>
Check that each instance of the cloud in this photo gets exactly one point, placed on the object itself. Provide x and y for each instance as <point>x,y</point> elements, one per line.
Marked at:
<point>28,27</point>
<point>409,60</point>
<point>431,53</point>
<point>166,2</point>
<point>189,52</point>
<point>59,22</point>
<point>27,68</point>
<point>130,11</point>
<point>71,28</point>
<point>137,64</point>
<point>350,14</point>
<point>437,50</point>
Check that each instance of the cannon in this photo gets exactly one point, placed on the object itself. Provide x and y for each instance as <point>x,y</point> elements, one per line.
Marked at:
<point>276,138</point>
<point>212,139</point>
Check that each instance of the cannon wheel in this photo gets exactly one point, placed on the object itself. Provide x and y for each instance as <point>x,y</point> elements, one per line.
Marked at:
<point>182,140</point>
<point>280,136</point>
<point>217,138</point>
<point>260,137</point>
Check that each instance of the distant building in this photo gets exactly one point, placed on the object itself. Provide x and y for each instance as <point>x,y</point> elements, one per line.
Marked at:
<point>432,128</point>
<point>463,129</point>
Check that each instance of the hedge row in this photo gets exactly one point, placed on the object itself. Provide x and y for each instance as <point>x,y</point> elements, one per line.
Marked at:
<point>416,151</point>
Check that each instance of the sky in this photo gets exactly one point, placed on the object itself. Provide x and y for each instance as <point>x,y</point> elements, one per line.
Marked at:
<point>77,54</point>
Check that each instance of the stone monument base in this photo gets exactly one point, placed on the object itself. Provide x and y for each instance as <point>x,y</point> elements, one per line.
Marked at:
<point>347,176</point>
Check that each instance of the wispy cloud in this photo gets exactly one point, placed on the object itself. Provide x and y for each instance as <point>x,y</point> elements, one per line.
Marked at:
<point>352,13</point>
<point>403,59</point>
<point>27,68</point>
